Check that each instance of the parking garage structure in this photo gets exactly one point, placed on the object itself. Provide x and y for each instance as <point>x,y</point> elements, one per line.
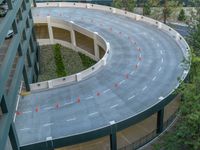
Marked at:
<point>123,103</point>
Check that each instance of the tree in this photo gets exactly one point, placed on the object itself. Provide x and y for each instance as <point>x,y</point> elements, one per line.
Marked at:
<point>117,4</point>
<point>154,3</point>
<point>169,5</point>
<point>194,38</point>
<point>128,5</point>
<point>146,9</point>
<point>181,16</point>
<point>187,132</point>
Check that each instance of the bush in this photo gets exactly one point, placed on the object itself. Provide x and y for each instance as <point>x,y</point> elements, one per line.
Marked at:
<point>86,61</point>
<point>181,16</point>
<point>60,68</point>
<point>146,9</point>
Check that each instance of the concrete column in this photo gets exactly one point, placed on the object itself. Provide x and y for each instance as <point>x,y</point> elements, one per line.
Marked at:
<point>177,36</point>
<point>29,59</point>
<point>36,69</point>
<point>31,41</point>
<point>10,6</point>
<point>26,79</point>
<point>73,38</point>
<point>114,10</point>
<point>34,3</point>
<point>159,25</point>
<point>50,84</point>
<point>13,137</point>
<point>14,26</point>
<point>4,107</point>
<point>96,48</point>
<point>160,117</point>
<point>137,17</point>
<point>78,77</point>
<point>49,143</point>
<point>113,136</point>
<point>50,29</point>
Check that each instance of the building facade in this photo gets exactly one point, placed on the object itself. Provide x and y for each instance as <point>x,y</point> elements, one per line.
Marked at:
<point>18,63</point>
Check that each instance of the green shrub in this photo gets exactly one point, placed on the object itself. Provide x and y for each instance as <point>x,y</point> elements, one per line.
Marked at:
<point>146,9</point>
<point>60,68</point>
<point>181,16</point>
<point>86,61</point>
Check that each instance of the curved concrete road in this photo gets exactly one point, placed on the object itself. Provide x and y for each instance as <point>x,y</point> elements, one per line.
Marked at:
<point>142,68</point>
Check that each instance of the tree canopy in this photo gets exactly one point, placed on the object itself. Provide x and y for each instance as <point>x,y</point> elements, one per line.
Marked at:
<point>128,5</point>
<point>187,132</point>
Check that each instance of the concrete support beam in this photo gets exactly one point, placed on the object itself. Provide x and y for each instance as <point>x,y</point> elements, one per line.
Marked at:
<point>3,105</point>
<point>160,117</point>
<point>96,48</point>
<point>159,25</point>
<point>113,136</point>
<point>177,36</point>
<point>113,141</point>
<point>72,34</point>
<point>49,143</point>
<point>26,79</point>
<point>50,84</point>
<point>137,17</point>
<point>13,137</point>
<point>34,3</point>
<point>29,59</point>
<point>36,69</point>
<point>50,29</point>
<point>10,6</point>
<point>78,77</point>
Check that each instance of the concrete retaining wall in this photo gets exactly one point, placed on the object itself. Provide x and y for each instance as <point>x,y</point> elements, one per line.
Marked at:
<point>72,27</point>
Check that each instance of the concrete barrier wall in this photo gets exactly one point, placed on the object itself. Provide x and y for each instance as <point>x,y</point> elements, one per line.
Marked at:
<point>69,26</point>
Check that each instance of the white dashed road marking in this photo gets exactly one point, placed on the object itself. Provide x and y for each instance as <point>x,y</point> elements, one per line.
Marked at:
<point>159,69</point>
<point>162,60</point>
<point>68,103</point>
<point>92,114</point>
<point>114,106</point>
<point>47,124</point>
<point>106,91</point>
<point>26,112</point>
<point>132,73</point>
<point>154,78</point>
<point>47,108</point>
<point>25,129</point>
<point>90,97</point>
<point>161,52</point>
<point>121,82</point>
<point>72,119</point>
<point>131,97</point>
<point>144,88</point>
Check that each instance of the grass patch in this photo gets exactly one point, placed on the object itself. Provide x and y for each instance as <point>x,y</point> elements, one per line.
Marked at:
<point>73,62</point>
